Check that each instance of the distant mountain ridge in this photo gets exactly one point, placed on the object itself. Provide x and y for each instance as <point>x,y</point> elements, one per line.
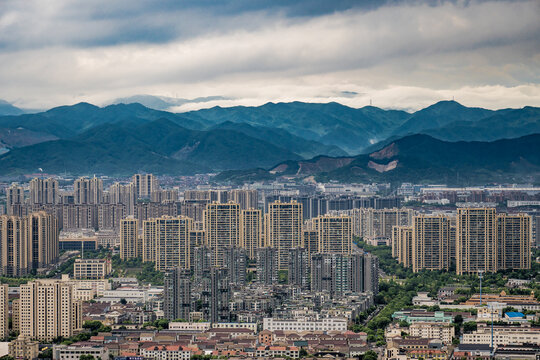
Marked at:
<point>420,158</point>
<point>214,139</point>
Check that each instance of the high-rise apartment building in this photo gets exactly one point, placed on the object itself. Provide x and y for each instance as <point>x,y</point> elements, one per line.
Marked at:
<point>284,229</point>
<point>334,234</point>
<point>222,226</point>
<point>339,274</point>
<point>514,241</point>
<point>476,240</point>
<point>247,199</point>
<point>125,194</point>
<point>4,311</point>
<point>402,244</point>
<point>267,268</point>
<point>88,191</point>
<point>47,310</point>
<point>202,263</point>
<point>219,295</point>
<point>298,269</point>
<point>177,294</point>
<point>169,238</point>
<point>377,224</point>
<point>130,243</point>
<point>431,243</point>
<point>27,243</point>
<point>236,263</point>
<point>145,184</point>
<point>43,191</point>
<point>311,243</point>
<point>251,233</point>
<point>14,199</point>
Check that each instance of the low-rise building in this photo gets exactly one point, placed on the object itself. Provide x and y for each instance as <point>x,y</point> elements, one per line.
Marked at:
<point>91,269</point>
<point>503,335</point>
<point>23,348</point>
<point>74,351</point>
<point>275,351</point>
<point>414,316</point>
<point>166,352</point>
<point>305,324</point>
<point>426,330</point>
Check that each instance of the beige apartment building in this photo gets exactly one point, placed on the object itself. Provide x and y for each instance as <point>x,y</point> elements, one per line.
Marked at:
<point>284,229</point>
<point>334,234</point>
<point>47,310</point>
<point>4,311</point>
<point>251,231</point>
<point>402,237</point>
<point>431,242</point>
<point>166,240</point>
<point>377,224</point>
<point>490,242</point>
<point>91,269</point>
<point>427,330</point>
<point>88,191</point>
<point>145,185</point>
<point>27,243</point>
<point>130,243</point>
<point>43,191</point>
<point>514,241</point>
<point>222,226</point>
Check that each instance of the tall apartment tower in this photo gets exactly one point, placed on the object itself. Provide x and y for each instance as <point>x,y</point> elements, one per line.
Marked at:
<point>47,310</point>
<point>43,191</point>
<point>476,240</point>
<point>4,311</point>
<point>331,273</point>
<point>43,238</point>
<point>124,194</point>
<point>14,199</point>
<point>514,241</point>
<point>16,255</point>
<point>402,244</point>
<point>267,268</point>
<point>130,244</point>
<point>311,243</point>
<point>145,184</point>
<point>202,263</point>
<point>334,234</point>
<point>298,269</point>
<point>169,240</point>
<point>220,295</point>
<point>339,274</point>
<point>251,232</point>
<point>27,243</point>
<point>431,243</point>
<point>236,263</point>
<point>247,199</point>
<point>222,226</point>
<point>88,191</point>
<point>284,229</point>
<point>177,294</point>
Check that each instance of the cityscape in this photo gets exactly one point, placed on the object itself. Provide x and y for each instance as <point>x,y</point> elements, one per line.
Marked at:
<point>248,180</point>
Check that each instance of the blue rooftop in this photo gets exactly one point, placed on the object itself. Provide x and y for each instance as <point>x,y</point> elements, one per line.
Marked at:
<point>514,314</point>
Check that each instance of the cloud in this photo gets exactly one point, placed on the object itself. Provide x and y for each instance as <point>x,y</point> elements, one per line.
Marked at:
<point>399,54</point>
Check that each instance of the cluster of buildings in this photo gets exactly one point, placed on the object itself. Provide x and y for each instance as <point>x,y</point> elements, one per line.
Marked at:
<point>476,239</point>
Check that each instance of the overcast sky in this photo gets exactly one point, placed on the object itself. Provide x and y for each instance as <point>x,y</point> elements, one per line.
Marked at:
<point>397,54</point>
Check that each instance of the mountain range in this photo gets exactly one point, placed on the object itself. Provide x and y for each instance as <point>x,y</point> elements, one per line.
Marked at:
<point>120,139</point>
<point>418,158</point>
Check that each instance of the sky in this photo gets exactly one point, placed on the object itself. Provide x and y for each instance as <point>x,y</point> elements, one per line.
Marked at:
<point>392,54</point>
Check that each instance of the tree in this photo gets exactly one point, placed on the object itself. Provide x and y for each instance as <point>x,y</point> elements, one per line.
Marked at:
<point>123,301</point>
<point>469,326</point>
<point>303,352</point>
<point>86,357</point>
<point>370,355</point>
<point>458,319</point>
